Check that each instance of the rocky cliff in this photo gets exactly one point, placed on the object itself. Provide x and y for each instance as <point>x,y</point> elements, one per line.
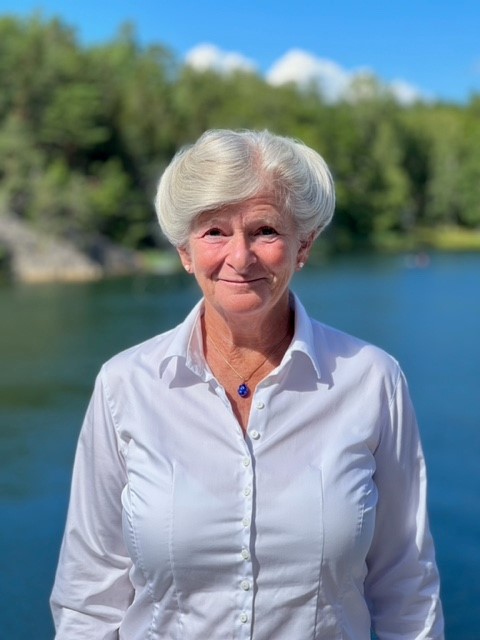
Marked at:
<point>30,255</point>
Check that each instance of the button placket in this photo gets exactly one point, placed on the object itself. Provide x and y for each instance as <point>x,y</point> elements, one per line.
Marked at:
<point>247,493</point>
<point>245,582</point>
<point>259,416</point>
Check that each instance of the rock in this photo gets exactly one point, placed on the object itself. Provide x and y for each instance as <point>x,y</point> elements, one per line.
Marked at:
<point>33,256</point>
<point>114,260</point>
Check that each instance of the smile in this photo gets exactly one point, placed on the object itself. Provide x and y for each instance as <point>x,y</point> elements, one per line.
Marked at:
<point>239,282</point>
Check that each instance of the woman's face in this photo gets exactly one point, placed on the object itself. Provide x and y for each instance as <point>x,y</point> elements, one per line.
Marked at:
<point>243,257</point>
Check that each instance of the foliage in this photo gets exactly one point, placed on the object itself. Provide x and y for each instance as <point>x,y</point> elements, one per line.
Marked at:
<point>86,131</point>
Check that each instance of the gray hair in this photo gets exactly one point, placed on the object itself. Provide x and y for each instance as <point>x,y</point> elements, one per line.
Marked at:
<point>225,167</point>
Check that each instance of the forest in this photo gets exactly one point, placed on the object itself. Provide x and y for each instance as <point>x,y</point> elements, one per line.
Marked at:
<point>85,132</point>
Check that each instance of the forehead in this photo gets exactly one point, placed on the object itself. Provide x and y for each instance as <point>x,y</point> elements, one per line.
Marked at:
<point>260,207</point>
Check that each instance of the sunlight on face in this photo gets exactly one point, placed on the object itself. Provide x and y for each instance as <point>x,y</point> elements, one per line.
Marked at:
<point>244,256</point>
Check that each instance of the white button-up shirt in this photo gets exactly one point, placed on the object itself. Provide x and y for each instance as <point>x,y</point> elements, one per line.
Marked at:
<point>312,525</point>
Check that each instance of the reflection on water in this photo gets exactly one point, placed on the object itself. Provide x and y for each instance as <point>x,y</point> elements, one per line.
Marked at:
<point>53,339</point>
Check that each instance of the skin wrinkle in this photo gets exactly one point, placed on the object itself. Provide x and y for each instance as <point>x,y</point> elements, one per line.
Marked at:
<point>243,257</point>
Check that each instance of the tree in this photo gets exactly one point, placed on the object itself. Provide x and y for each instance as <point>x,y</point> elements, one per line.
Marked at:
<point>85,133</point>
<point>372,185</point>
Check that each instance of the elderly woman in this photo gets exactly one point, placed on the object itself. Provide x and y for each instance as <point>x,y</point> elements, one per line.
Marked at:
<point>252,473</point>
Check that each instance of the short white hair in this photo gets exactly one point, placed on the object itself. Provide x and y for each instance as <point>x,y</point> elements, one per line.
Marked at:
<point>226,167</point>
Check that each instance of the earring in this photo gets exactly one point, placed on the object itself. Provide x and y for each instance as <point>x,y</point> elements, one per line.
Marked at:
<point>301,265</point>
<point>187,268</point>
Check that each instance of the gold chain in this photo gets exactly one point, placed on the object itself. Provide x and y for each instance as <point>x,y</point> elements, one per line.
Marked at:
<point>242,378</point>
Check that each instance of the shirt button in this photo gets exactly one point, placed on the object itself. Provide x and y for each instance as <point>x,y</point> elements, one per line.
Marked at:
<point>243,618</point>
<point>245,554</point>
<point>247,491</point>
<point>245,585</point>
<point>246,522</point>
<point>246,462</point>
<point>260,405</point>
<point>255,435</point>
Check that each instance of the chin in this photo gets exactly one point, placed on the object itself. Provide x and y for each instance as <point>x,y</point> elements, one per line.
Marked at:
<point>246,305</point>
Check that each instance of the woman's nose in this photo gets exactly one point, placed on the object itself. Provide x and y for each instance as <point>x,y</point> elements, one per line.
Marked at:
<point>241,254</point>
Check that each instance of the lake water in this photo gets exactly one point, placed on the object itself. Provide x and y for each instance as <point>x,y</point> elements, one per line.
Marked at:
<point>53,339</point>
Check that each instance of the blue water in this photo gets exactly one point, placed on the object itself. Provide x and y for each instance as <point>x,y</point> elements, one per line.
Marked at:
<point>53,339</point>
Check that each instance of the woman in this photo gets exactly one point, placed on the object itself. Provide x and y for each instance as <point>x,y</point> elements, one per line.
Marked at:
<point>251,473</point>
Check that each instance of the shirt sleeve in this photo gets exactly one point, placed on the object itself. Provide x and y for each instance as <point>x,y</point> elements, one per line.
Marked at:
<point>92,589</point>
<point>402,585</point>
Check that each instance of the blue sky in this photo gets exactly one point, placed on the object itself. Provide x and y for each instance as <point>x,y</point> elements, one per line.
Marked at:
<point>427,48</point>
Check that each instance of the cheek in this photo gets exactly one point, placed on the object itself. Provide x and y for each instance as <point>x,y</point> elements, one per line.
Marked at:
<point>207,259</point>
<point>281,258</point>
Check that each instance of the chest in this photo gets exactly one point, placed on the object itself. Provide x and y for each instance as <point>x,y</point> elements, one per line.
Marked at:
<point>206,503</point>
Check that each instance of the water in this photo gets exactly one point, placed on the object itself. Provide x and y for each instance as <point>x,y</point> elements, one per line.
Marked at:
<point>53,339</point>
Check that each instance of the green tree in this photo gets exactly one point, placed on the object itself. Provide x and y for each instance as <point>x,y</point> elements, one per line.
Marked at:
<point>443,202</point>
<point>20,164</point>
<point>372,185</point>
<point>86,131</point>
<point>469,179</point>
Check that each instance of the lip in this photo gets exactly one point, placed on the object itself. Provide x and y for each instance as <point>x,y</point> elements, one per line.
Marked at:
<point>240,282</point>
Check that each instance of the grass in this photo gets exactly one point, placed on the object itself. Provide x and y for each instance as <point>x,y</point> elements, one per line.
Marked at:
<point>439,239</point>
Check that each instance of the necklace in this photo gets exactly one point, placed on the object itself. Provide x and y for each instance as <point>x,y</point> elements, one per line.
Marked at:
<point>243,389</point>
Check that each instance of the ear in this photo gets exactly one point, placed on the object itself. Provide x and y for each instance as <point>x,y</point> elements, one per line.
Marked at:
<point>304,250</point>
<point>185,258</point>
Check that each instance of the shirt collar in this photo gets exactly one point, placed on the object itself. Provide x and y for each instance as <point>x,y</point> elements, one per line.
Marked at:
<point>303,338</point>
<point>187,345</point>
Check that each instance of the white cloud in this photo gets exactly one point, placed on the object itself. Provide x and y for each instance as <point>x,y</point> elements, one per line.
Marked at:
<point>303,68</point>
<point>208,56</point>
<point>404,92</point>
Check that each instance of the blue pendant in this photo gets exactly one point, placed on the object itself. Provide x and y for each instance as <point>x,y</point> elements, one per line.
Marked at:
<point>243,391</point>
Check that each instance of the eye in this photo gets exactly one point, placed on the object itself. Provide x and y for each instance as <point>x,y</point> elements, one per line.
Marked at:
<point>213,231</point>
<point>267,231</point>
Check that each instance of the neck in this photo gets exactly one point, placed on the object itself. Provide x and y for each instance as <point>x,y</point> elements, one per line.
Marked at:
<point>248,333</point>
<point>246,355</point>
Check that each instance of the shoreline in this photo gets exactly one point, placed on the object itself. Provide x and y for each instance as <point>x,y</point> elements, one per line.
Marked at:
<point>31,256</point>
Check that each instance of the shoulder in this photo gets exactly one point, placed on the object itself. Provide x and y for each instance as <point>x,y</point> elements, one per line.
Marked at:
<point>147,358</point>
<point>339,352</point>
<point>152,349</point>
<point>348,345</point>
<point>139,365</point>
<point>334,350</point>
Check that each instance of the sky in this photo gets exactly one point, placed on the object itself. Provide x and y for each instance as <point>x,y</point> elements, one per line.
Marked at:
<point>428,49</point>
